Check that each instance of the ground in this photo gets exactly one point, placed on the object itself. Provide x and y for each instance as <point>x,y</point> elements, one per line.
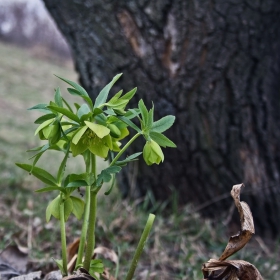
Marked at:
<point>180,242</point>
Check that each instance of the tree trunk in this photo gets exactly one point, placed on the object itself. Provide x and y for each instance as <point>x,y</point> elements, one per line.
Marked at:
<point>214,64</point>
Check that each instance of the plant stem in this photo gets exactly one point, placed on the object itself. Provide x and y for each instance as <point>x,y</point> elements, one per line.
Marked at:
<point>91,231</point>
<point>140,246</point>
<point>83,236</point>
<point>63,239</point>
<point>125,147</point>
<point>92,219</point>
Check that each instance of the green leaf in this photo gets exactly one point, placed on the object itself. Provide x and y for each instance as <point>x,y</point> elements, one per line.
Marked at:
<point>80,132</point>
<point>130,158</point>
<point>112,185</point>
<point>78,207</point>
<point>41,107</point>
<point>39,173</point>
<point>163,124</point>
<point>39,149</point>
<point>83,110</point>
<point>97,111</point>
<point>67,105</point>
<point>162,140</point>
<point>96,266</point>
<point>106,174</point>
<point>129,94</point>
<point>150,119</point>
<point>43,125</point>
<point>129,123</point>
<point>144,112</point>
<point>53,209</point>
<point>44,118</point>
<point>57,98</point>
<point>83,179</point>
<point>117,104</point>
<point>79,89</point>
<point>116,97</point>
<point>62,166</point>
<point>65,112</point>
<point>68,208</point>
<point>102,96</point>
<point>76,184</point>
<point>85,97</point>
<point>50,188</point>
<point>59,263</point>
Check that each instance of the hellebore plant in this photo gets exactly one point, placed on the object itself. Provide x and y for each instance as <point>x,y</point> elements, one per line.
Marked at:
<point>92,130</point>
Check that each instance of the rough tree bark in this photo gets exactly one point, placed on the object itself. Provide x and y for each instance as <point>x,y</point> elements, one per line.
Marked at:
<point>212,63</point>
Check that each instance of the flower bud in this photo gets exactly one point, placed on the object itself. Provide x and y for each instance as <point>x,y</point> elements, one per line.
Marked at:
<point>114,130</point>
<point>152,153</point>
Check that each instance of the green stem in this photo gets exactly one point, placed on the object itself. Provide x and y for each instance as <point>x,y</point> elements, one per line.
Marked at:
<point>125,147</point>
<point>63,239</point>
<point>85,220</point>
<point>92,219</point>
<point>91,231</point>
<point>140,246</point>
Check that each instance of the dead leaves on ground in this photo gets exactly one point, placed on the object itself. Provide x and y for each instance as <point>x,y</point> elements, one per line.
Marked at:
<point>223,269</point>
<point>107,253</point>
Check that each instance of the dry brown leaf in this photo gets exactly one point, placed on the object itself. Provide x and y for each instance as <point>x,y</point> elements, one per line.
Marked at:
<point>107,254</point>
<point>235,269</point>
<point>237,242</point>
<point>72,249</point>
<point>107,276</point>
<point>230,270</point>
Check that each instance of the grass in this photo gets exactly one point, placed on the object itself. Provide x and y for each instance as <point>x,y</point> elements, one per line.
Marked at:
<point>180,242</point>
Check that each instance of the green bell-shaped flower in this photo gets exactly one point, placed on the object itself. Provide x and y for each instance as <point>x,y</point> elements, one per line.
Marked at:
<point>152,153</point>
<point>94,137</point>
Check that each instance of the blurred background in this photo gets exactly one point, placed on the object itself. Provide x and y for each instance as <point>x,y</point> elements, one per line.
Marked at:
<point>31,51</point>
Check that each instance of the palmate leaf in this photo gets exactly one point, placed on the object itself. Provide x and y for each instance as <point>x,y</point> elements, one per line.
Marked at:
<point>163,124</point>
<point>106,174</point>
<point>162,140</point>
<point>102,96</point>
<point>39,173</point>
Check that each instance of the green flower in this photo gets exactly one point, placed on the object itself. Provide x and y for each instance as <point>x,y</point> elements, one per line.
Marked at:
<point>152,153</point>
<point>94,137</point>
